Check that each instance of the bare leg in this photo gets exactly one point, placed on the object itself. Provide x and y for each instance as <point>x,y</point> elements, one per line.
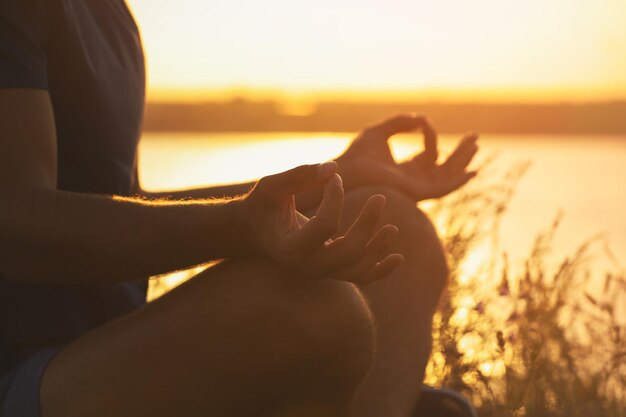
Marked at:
<point>241,339</point>
<point>403,306</point>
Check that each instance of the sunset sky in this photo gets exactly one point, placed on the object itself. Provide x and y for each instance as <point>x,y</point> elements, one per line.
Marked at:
<point>507,50</point>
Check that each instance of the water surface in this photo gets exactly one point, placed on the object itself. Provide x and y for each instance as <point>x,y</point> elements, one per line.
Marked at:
<point>584,177</point>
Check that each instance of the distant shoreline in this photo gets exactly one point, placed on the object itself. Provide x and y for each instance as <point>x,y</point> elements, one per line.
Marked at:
<point>241,115</point>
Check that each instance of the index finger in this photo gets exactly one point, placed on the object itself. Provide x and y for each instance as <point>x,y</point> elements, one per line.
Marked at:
<point>324,224</point>
<point>430,142</point>
<point>408,123</point>
<point>297,180</point>
<point>401,123</point>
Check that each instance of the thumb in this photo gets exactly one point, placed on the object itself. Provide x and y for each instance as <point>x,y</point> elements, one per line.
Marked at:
<point>325,223</point>
<point>297,180</point>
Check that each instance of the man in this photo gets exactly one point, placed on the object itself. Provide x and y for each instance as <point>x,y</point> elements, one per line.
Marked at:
<point>296,321</point>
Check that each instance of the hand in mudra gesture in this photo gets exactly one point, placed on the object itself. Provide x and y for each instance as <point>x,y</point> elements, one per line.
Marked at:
<point>307,246</point>
<point>368,161</point>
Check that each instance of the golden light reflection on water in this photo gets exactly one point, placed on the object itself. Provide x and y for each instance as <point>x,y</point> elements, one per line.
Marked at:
<point>195,161</point>
<point>169,162</point>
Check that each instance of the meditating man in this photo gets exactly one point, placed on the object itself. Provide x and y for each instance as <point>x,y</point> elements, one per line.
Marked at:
<point>322,303</point>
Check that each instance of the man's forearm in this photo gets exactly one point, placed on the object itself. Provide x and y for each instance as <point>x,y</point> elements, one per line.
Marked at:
<point>305,201</point>
<point>219,191</point>
<point>60,237</point>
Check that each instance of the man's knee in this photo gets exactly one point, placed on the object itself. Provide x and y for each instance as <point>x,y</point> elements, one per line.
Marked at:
<point>417,239</point>
<point>336,329</point>
<point>315,328</point>
<point>398,207</point>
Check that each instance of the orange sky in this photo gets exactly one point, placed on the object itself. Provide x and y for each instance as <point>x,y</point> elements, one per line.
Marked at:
<point>530,50</point>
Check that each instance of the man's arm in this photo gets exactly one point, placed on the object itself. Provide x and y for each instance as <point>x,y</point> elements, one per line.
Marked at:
<point>52,236</point>
<point>305,201</point>
<point>58,237</point>
<point>219,191</point>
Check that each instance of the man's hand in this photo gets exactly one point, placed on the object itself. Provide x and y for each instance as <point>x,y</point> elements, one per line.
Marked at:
<point>306,246</point>
<point>368,161</point>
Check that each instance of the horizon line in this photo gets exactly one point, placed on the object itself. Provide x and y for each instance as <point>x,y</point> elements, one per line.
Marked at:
<point>379,96</point>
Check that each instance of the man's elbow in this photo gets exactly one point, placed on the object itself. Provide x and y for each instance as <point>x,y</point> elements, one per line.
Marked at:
<point>18,223</point>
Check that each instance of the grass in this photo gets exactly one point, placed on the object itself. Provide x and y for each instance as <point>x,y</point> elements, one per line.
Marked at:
<point>533,340</point>
<point>537,340</point>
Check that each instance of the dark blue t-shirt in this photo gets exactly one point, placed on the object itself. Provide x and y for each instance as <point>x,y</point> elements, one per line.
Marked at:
<point>88,55</point>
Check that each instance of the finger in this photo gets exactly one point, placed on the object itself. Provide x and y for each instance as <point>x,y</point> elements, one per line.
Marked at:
<point>325,223</point>
<point>379,245</point>
<point>382,269</point>
<point>453,184</point>
<point>420,163</point>
<point>401,123</point>
<point>462,155</point>
<point>348,250</point>
<point>404,123</point>
<point>375,252</point>
<point>301,219</point>
<point>407,123</point>
<point>372,272</point>
<point>431,153</point>
<point>297,180</point>
<point>361,231</point>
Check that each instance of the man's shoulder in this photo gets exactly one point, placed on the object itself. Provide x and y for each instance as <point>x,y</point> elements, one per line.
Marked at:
<point>24,14</point>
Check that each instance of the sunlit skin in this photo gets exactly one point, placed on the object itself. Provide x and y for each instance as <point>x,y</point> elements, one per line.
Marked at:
<point>324,278</point>
<point>369,160</point>
<point>265,223</point>
<point>322,304</point>
<point>303,245</point>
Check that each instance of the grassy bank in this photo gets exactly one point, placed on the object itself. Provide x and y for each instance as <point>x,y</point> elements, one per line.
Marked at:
<point>545,338</point>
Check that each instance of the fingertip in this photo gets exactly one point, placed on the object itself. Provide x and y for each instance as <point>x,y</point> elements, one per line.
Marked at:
<point>377,204</point>
<point>385,267</point>
<point>390,232</point>
<point>336,181</point>
<point>396,258</point>
<point>396,229</point>
<point>466,177</point>
<point>392,260</point>
<point>333,196</point>
<point>327,169</point>
<point>391,263</point>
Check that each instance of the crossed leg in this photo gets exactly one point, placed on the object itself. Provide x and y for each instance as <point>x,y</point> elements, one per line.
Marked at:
<point>245,338</point>
<point>241,339</point>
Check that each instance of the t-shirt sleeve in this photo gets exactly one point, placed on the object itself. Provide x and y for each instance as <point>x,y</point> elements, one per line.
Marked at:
<point>22,59</point>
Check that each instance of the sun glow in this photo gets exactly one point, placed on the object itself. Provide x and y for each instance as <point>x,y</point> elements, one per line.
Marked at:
<point>229,160</point>
<point>441,50</point>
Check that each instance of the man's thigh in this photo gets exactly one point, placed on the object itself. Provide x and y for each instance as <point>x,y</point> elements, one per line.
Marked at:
<point>224,343</point>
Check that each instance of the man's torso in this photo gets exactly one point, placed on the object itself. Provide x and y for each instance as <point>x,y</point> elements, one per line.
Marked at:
<point>88,55</point>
